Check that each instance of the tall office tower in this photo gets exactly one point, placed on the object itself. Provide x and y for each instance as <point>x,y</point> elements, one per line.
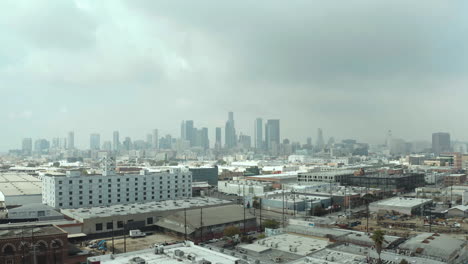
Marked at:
<point>320,142</point>
<point>95,141</point>
<point>272,134</point>
<point>27,146</point>
<point>190,134</point>
<point>309,141</point>
<point>205,142</point>
<point>71,140</point>
<point>440,142</point>
<point>127,143</point>
<point>230,132</point>
<point>41,146</point>
<point>115,141</point>
<point>388,138</point>
<point>155,139</point>
<point>218,138</point>
<point>245,141</point>
<point>149,141</point>
<point>182,131</point>
<point>107,146</point>
<point>258,133</point>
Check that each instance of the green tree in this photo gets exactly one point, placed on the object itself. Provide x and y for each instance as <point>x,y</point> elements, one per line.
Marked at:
<point>231,231</point>
<point>221,162</point>
<point>404,261</point>
<point>367,199</point>
<point>270,223</point>
<point>379,238</point>
<point>256,203</point>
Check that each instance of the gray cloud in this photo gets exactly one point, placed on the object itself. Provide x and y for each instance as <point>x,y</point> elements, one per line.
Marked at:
<point>355,68</point>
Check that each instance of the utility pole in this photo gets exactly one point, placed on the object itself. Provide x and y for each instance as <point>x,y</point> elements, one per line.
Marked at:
<point>185,223</point>
<point>283,206</point>
<point>294,202</point>
<point>244,214</point>
<point>260,214</point>
<point>113,250</point>
<point>125,236</point>
<point>201,224</point>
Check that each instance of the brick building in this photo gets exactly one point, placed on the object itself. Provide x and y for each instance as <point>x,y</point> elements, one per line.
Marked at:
<point>38,244</point>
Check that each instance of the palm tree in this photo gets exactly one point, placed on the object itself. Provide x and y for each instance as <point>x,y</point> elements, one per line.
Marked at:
<point>367,198</point>
<point>379,238</point>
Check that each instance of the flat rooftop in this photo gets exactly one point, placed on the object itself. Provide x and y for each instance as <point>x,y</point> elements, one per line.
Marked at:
<point>17,183</point>
<point>295,244</point>
<point>386,255</point>
<point>139,208</point>
<point>21,231</point>
<point>185,254</point>
<point>331,257</point>
<point>402,202</point>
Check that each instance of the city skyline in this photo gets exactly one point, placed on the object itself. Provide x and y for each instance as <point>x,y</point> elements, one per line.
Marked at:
<point>355,71</point>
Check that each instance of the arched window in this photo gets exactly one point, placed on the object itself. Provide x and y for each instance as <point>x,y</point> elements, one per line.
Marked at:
<point>9,250</point>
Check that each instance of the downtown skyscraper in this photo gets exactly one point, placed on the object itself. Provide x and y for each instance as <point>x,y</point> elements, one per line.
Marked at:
<point>272,134</point>
<point>258,133</point>
<point>71,140</point>
<point>440,142</point>
<point>230,132</point>
<point>115,141</point>
<point>95,141</point>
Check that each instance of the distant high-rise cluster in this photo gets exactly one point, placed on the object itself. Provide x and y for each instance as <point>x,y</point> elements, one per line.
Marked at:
<point>230,132</point>
<point>194,137</point>
<point>440,142</point>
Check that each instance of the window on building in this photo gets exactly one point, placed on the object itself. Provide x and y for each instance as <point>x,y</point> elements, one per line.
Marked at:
<point>70,193</point>
<point>60,182</point>
<point>100,180</point>
<point>80,181</point>
<point>90,181</point>
<point>100,201</point>
<point>109,185</point>
<point>118,180</point>
<point>109,180</point>
<point>70,203</point>
<point>60,204</point>
<point>120,224</point>
<point>149,221</point>
<point>70,182</point>
<point>80,192</point>
<point>99,227</point>
<point>60,193</point>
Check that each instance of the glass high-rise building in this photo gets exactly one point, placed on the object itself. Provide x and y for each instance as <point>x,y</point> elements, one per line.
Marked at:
<point>258,133</point>
<point>230,132</point>
<point>440,142</point>
<point>94,141</point>
<point>272,134</point>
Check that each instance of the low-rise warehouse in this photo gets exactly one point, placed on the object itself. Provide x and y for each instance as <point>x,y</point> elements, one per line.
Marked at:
<point>437,246</point>
<point>207,223</point>
<point>20,188</point>
<point>104,219</point>
<point>187,253</point>
<point>403,205</point>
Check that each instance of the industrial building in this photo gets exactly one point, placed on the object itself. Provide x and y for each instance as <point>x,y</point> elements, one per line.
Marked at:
<point>437,246</point>
<point>334,176</point>
<point>183,253</point>
<point>395,183</point>
<point>102,220</point>
<point>276,179</point>
<point>205,174</point>
<point>20,188</point>
<point>245,187</point>
<point>403,205</point>
<point>51,245</point>
<point>34,212</point>
<point>76,190</point>
<point>455,179</point>
<point>207,223</point>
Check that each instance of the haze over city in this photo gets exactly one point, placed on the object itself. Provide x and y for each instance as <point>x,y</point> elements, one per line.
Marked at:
<point>354,68</point>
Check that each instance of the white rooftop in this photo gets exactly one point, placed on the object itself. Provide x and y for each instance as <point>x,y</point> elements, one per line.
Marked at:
<point>173,254</point>
<point>295,244</point>
<point>17,183</point>
<point>402,202</point>
<point>137,208</point>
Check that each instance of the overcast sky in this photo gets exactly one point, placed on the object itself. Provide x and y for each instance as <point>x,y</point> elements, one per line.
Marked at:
<point>353,68</point>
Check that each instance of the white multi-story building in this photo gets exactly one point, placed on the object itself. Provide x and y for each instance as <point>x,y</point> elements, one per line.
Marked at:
<point>244,187</point>
<point>75,190</point>
<point>324,176</point>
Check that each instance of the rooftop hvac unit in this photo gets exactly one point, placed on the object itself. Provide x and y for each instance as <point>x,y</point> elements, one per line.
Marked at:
<point>178,253</point>
<point>137,260</point>
<point>191,257</point>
